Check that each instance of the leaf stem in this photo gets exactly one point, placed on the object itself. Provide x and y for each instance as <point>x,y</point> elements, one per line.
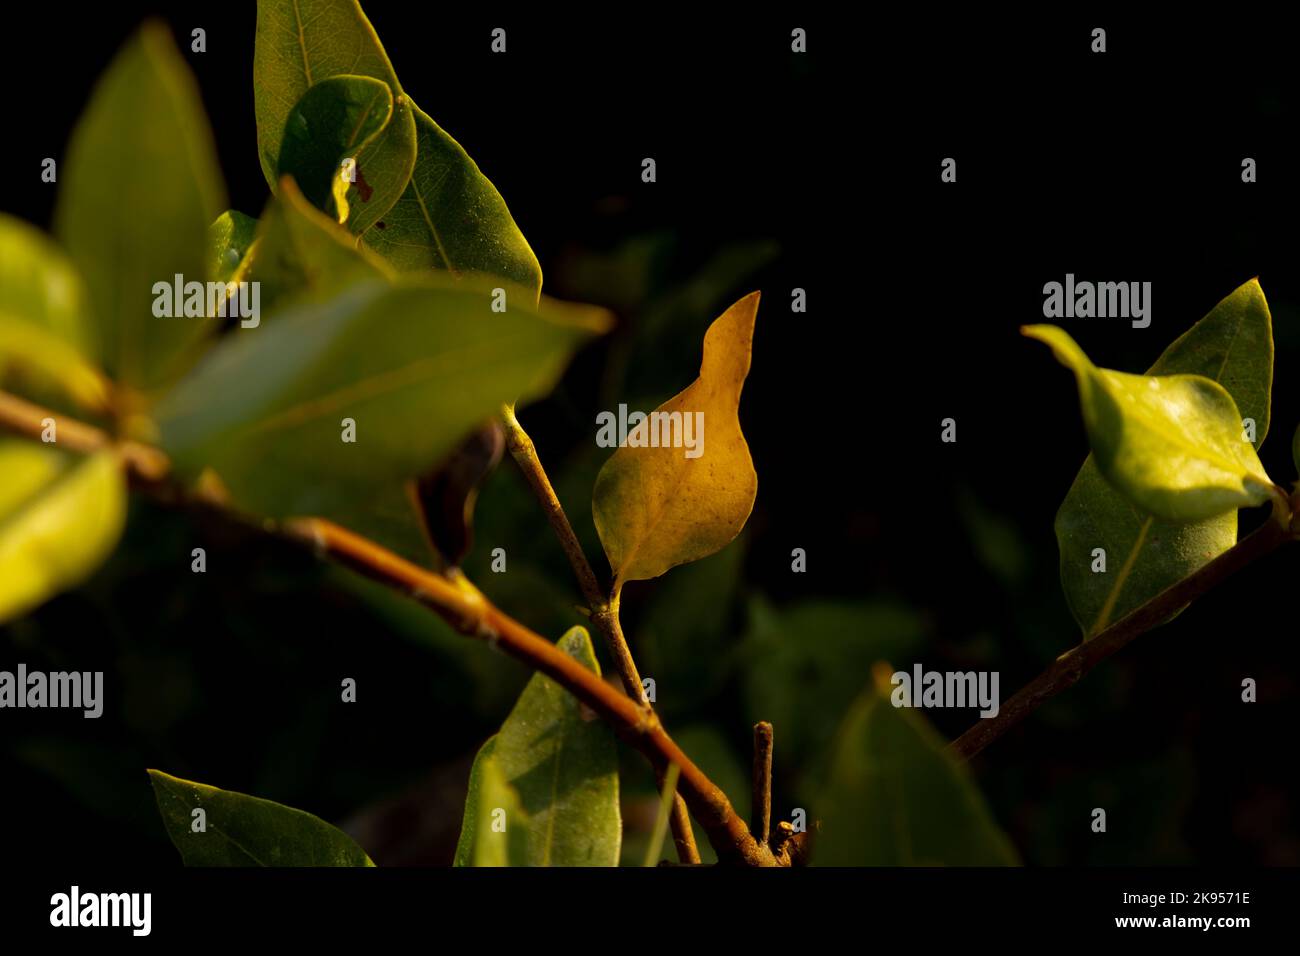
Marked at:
<point>1070,667</point>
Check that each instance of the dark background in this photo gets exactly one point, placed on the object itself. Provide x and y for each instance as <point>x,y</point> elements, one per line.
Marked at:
<point>774,171</point>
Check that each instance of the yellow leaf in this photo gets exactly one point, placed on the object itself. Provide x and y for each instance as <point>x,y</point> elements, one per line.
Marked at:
<point>682,485</point>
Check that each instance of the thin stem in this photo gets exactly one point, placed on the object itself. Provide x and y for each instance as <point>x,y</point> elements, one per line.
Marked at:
<point>761,808</point>
<point>525,454</point>
<point>604,612</point>
<point>1069,668</point>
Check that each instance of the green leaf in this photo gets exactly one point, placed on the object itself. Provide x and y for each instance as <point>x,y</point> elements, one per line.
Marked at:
<point>301,255</point>
<point>562,761</point>
<point>495,828</point>
<point>335,120</point>
<point>1232,344</point>
<point>451,217</point>
<point>660,501</point>
<point>140,187</point>
<point>894,797</point>
<point>229,240</point>
<point>60,518</point>
<point>415,366</point>
<point>300,43</point>
<point>804,663</point>
<point>44,324</point>
<point>1172,443</point>
<point>247,831</point>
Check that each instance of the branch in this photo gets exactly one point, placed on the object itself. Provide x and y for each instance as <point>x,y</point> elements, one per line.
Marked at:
<point>144,463</point>
<point>604,613</point>
<point>1071,666</point>
<point>462,606</point>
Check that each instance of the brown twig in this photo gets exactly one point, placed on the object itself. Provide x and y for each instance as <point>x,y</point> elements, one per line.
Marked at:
<point>604,611</point>
<point>461,605</point>
<point>1070,667</point>
<point>761,809</point>
<point>144,463</point>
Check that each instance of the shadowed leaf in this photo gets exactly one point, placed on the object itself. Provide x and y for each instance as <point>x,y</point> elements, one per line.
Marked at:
<point>334,121</point>
<point>240,830</point>
<point>895,798</point>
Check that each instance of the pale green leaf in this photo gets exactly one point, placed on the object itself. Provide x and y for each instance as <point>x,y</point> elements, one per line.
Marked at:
<point>414,366</point>
<point>45,326</point>
<point>562,761</point>
<point>299,43</point>
<point>60,518</point>
<point>239,830</point>
<point>1172,443</point>
<point>894,796</point>
<point>1232,344</point>
<point>140,187</point>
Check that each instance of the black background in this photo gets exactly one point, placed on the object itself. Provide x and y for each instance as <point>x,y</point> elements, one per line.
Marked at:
<point>1121,166</point>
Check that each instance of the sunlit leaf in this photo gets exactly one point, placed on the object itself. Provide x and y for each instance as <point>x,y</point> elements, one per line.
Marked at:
<point>139,188</point>
<point>334,121</point>
<point>60,518</point>
<point>229,239</point>
<point>451,217</point>
<point>1232,344</point>
<point>45,324</point>
<point>303,42</point>
<point>657,507</point>
<point>413,368</point>
<point>495,830</point>
<point>894,797</point>
<point>239,830</point>
<point>562,761</point>
<point>1172,443</point>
